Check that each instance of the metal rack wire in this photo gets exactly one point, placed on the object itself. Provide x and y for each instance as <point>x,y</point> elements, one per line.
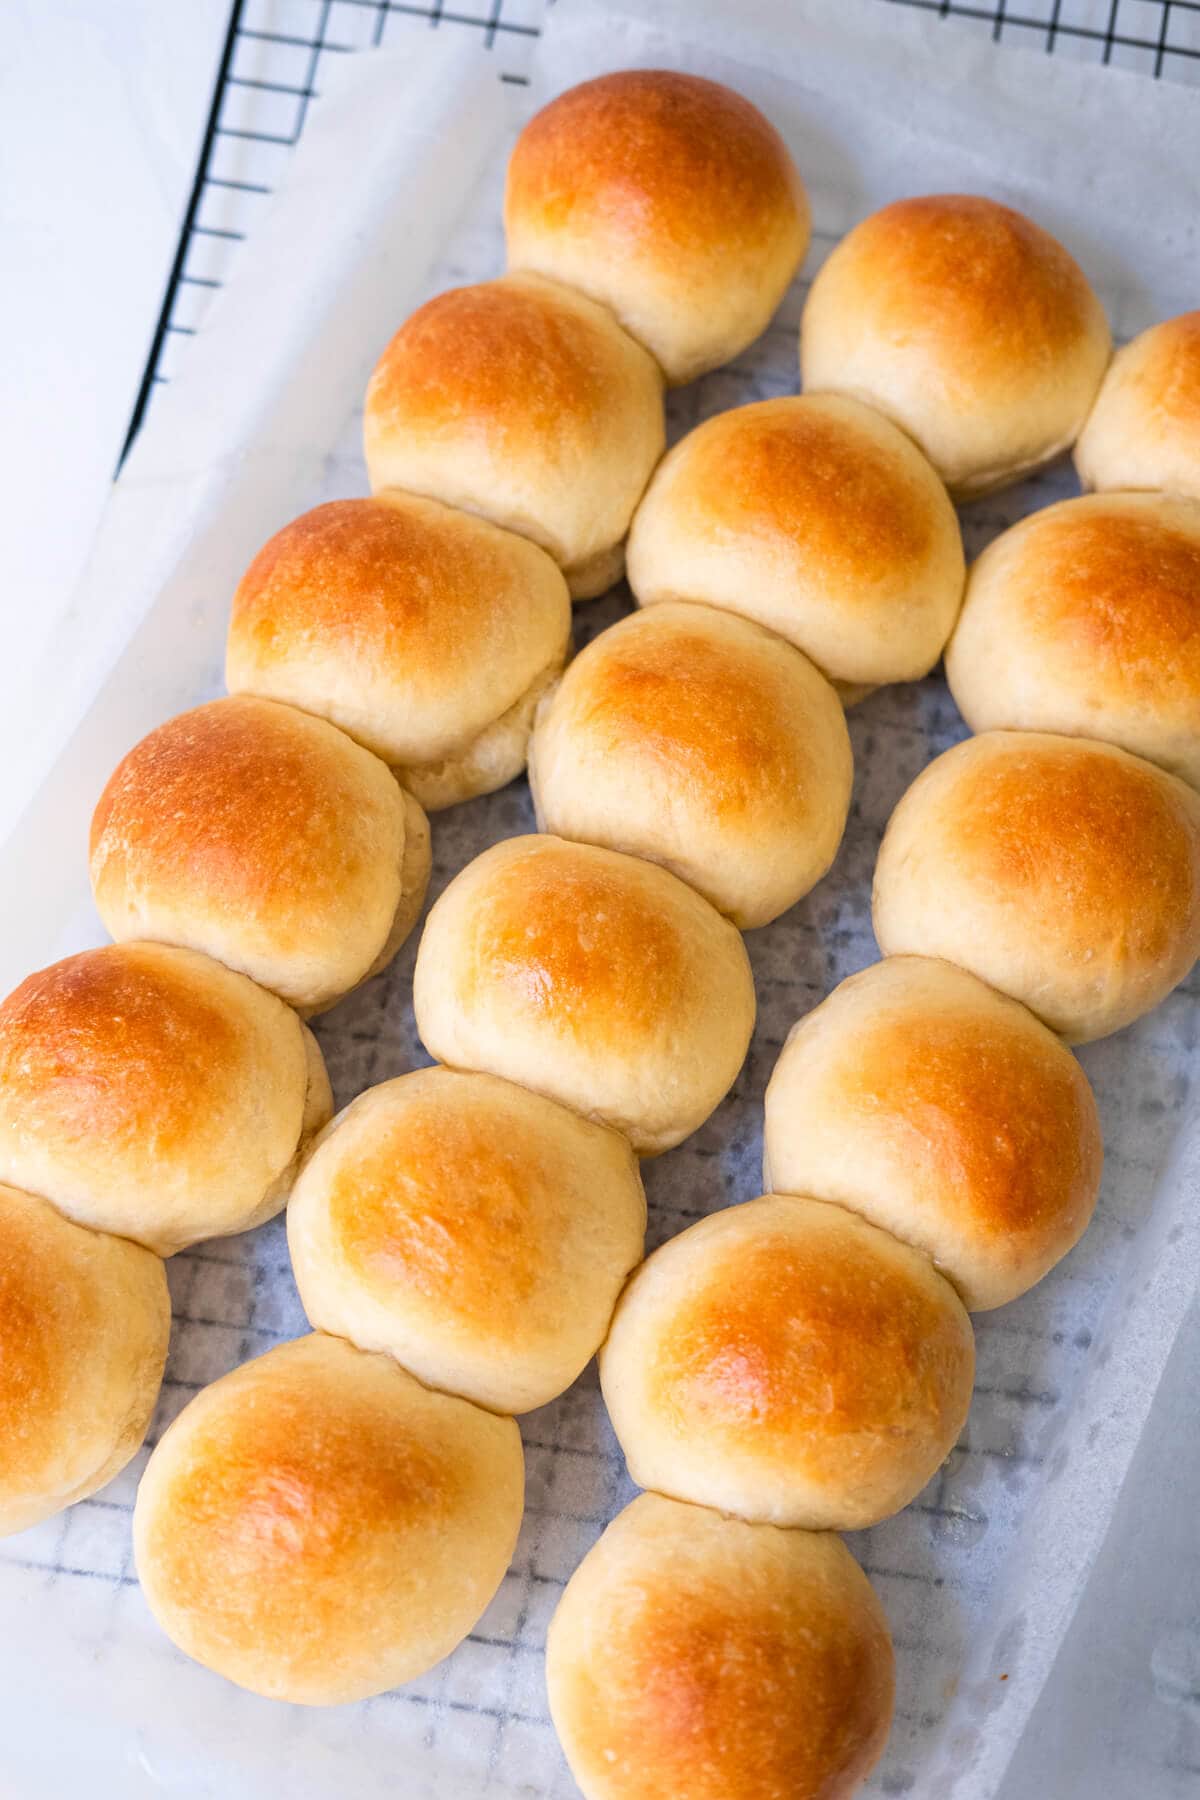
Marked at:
<point>275,51</point>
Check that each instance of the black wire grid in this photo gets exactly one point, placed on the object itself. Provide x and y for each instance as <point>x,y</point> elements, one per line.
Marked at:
<point>275,50</point>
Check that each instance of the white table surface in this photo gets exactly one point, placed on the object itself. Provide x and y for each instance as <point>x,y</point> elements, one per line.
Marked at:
<point>102,106</point>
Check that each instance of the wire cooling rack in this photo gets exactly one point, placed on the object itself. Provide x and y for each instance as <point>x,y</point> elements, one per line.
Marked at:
<point>276,50</point>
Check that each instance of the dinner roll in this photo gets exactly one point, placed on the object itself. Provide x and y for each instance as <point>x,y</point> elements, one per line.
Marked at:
<point>817,518</point>
<point>702,742</point>
<point>151,1092</point>
<point>427,634</point>
<point>1144,430</point>
<point>788,1363</point>
<point>267,839</point>
<point>694,1657</point>
<point>525,402</point>
<point>668,198</point>
<point>1063,872</point>
<point>594,978</point>
<point>969,326</point>
<point>1085,619</point>
<point>478,1233</point>
<point>319,1527</point>
<point>944,1113</point>
<point>84,1320</point>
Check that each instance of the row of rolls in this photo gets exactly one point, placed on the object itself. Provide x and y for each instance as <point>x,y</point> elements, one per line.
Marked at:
<point>332,1518</point>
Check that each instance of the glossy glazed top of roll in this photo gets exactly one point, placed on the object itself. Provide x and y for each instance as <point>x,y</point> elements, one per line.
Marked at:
<point>478,1233</point>
<point>693,1654</point>
<point>969,326</point>
<point>702,742</point>
<point>1064,872</point>
<point>1144,430</point>
<point>84,1321</point>
<point>150,1091</point>
<point>1085,619</point>
<point>525,402</point>
<point>816,517</point>
<point>669,198</point>
<point>318,1527</point>
<point>788,1363</point>
<point>944,1113</point>
<point>268,840</point>
<point>597,979</point>
<point>413,626</point>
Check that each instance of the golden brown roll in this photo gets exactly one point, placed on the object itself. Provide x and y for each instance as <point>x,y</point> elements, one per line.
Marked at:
<point>594,978</point>
<point>969,326</point>
<point>151,1092</point>
<point>1144,430</point>
<point>1063,872</point>
<point>944,1113</point>
<point>815,517</point>
<point>1085,619</point>
<point>318,1527</point>
<point>524,402</point>
<point>478,1233</point>
<point>699,1658</point>
<point>702,742</point>
<point>268,840</point>
<point>84,1321</point>
<point>425,633</point>
<point>669,198</point>
<point>788,1363</point>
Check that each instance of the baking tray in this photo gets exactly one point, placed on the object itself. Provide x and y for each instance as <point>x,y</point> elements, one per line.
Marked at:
<point>980,1576</point>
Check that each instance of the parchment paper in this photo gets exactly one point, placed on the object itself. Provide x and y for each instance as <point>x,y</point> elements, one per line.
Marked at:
<point>395,193</point>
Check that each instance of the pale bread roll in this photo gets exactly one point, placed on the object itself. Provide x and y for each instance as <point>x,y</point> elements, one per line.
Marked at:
<point>694,1657</point>
<point>786,1362</point>
<point>944,1113</point>
<point>84,1321</point>
<point>268,840</point>
<point>1063,872</point>
<point>524,402</point>
<point>594,978</point>
<point>151,1092</point>
<point>669,198</point>
<point>1144,430</point>
<point>478,1233</point>
<point>702,742</point>
<point>969,326</point>
<point>318,1527</point>
<point>816,517</point>
<point>1085,619</point>
<point>425,633</point>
